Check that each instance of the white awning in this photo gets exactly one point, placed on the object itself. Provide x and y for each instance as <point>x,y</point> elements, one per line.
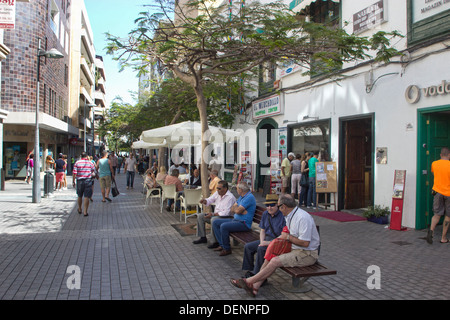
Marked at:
<point>299,5</point>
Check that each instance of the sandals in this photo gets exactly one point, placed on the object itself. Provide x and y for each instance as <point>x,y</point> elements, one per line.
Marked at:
<point>242,284</point>
<point>445,241</point>
<point>236,283</point>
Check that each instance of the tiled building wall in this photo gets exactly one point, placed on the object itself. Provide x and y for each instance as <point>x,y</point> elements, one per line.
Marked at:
<point>19,69</point>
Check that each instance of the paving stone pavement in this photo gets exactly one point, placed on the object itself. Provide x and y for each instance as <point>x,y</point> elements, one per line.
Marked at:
<point>125,250</point>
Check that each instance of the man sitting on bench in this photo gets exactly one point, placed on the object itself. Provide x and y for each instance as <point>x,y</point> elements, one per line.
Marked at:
<point>271,225</point>
<point>223,200</point>
<point>244,210</point>
<point>305,241</point>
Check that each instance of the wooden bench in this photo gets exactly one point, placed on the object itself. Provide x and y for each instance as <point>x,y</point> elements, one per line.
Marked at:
<point>299,274</point>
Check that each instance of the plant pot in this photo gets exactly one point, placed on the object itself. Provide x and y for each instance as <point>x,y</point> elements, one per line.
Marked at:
<point>379,220</point>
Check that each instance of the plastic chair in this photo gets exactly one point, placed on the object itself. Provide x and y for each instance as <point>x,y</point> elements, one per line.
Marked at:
<point>152,196</point>
<point>191,197</point>
<point>169,192</point>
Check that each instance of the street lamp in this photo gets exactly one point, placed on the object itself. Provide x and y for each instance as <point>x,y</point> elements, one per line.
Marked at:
<point>52,54</point>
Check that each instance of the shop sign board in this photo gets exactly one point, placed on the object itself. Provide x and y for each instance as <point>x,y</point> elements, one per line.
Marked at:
<point>423,9</point>
<point>7,14</point>
<point>369,17</point>
<point>267,107</point>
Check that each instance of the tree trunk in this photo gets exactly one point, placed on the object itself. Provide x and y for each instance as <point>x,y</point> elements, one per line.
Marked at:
<point>201,105</point>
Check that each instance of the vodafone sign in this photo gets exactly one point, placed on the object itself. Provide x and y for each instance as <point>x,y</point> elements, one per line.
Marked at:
<point>413,93</point>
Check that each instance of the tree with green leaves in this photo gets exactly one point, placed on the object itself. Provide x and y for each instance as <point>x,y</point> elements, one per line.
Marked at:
<point>200,41</point>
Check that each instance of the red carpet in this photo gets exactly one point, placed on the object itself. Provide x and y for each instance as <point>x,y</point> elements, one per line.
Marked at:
<point>338,216</point>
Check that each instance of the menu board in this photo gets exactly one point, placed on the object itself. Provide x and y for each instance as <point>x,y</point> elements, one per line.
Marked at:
<point>326,177</point>
<point>399,184</point>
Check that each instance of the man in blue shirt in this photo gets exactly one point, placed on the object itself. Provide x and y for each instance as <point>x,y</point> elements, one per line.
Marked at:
<point>272,223</point>
<point>244,210</point>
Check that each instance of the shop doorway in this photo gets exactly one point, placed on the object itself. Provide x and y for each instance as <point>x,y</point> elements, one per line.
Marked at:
<point>433,134</point>
<point>356,162</point>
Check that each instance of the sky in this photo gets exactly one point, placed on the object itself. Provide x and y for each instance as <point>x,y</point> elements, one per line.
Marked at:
<point>116,17</point>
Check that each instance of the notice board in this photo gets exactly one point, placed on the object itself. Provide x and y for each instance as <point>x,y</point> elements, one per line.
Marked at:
<point>326,177</point>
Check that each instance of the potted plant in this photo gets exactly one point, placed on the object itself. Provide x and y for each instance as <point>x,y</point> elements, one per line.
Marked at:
<point>377,214</point>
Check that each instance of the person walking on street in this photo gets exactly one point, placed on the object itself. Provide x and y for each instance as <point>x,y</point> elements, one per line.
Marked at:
<point>114,162</point>
<point>82,174</point>
<point>119,163</point>
<point>130,170</point>
<point>106,175</point>
<point>441,190</point>
<point>30,166</point>
<point>60,168</point>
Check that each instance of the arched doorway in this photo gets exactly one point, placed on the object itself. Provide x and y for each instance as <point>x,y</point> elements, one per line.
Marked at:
<point>267,137</point>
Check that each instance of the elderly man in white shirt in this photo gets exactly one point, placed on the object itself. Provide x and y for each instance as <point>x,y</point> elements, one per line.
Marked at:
<point>223,200</point>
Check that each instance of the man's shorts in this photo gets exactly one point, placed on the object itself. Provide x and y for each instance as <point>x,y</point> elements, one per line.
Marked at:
<point>285,181</point>
<point>59,176</point>
<point>299,258</point>
<point>105,182</point>
<point>441,205</point>
<point>84,188</point>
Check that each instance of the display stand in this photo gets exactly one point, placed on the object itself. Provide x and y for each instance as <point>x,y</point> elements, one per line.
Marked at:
<point>326,182</point>
<point>397,200</point>
<point>275,171</point>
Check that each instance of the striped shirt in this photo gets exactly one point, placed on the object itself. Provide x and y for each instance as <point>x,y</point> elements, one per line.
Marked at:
<point>83,169</point>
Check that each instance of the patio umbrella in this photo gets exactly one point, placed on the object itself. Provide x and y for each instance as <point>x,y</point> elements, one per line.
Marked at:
<point>147,145</point>
<point>185,133</point>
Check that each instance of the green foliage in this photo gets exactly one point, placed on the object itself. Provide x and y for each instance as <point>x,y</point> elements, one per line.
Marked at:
<point>209,48</point>
<point>376,211</point>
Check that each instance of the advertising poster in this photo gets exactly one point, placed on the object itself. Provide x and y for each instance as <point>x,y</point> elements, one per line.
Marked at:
<point>275,171</point>
<point>7,14</point>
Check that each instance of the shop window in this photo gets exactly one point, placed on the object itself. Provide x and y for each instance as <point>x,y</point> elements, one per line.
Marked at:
<point>310,137</point>
<point>15,155</point>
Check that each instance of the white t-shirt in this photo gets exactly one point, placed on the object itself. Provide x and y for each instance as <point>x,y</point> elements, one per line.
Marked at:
<point>302,226</point>
<point>130,163</point>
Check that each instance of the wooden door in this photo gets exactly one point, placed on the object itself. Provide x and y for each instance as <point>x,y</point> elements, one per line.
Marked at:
<point>354,165</point>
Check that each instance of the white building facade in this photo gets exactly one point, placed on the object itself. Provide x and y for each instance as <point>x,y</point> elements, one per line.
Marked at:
<point>371,118</point>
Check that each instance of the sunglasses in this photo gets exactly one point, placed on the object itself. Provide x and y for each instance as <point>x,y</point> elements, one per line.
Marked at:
<point>271,205</point>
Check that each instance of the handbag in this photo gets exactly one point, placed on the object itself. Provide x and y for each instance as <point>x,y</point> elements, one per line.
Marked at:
<point>278,247</point>
<point>114,191</point>
<point>304,180</point>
